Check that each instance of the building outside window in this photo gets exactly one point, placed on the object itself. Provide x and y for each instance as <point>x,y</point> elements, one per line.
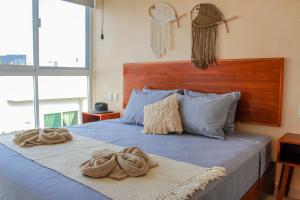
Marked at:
<point>57,120</point>
<point>13,59</point>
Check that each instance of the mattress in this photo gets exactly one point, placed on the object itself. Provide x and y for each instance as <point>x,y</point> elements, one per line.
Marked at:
<point>245,157</point>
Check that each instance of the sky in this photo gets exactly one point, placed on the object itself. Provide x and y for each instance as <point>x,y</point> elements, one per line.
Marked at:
<point>16,28</point>
<point>61,35</point>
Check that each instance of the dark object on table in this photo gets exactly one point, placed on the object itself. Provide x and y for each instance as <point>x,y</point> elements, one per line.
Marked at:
<point>100,108</point>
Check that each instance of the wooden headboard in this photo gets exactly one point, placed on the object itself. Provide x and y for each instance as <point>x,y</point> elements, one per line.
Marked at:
<point>259,80</point>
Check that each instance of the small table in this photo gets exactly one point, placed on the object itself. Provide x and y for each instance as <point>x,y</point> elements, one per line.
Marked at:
<point>289,156</point>
<point>91,117</point>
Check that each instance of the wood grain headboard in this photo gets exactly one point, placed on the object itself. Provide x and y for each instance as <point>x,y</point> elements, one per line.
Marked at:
<point>259,80</point>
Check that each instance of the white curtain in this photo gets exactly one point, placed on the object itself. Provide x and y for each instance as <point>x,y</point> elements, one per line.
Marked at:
<point>68,118</point>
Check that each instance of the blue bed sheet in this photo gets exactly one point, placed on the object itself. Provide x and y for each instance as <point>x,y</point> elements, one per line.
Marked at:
<point>245,156</point>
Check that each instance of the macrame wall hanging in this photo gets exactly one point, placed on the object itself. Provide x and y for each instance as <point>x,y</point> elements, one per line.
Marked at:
<point>205,19</point>
<point>162,16</point>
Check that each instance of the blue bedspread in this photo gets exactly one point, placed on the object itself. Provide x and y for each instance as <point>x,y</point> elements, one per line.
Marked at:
<point>245,156</point>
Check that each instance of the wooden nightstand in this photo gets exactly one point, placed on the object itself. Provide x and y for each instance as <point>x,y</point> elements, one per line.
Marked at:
<point>289,156</point>
<point>91,117</point>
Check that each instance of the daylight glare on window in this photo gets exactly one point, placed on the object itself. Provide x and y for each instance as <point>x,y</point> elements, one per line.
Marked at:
<point>62,34</point>
<point>16,41</point>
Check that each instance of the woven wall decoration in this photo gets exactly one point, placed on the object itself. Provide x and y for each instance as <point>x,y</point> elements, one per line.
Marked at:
<point>205,19</point>
<point>162,16</point>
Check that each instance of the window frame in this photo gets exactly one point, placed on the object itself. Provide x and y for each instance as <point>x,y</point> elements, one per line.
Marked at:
<point>35,70</point>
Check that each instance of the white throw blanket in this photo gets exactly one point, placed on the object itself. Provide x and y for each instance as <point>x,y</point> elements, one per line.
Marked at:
<point>169,180</point>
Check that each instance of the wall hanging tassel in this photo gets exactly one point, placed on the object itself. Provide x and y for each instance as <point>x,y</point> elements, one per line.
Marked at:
<point>162,16</point>
<point>204,33</point>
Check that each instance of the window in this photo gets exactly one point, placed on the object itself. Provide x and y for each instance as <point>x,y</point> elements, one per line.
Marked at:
<point>57,120</point>
<point>16,40</point>
<point>70,118</point>
<point>62,35</point>
<point>44,63</point>
<point>52,120</point>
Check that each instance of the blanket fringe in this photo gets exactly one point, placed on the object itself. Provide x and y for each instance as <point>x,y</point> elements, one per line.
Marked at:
<point>186,190</point>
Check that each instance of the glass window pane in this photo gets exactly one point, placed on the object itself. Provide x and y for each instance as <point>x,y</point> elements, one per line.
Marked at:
<point>52,120</point>
<point>66,95</point>
<point>70,118</point>
<point>62,34</point>
<point>16,41</point>
<point>16,103</point>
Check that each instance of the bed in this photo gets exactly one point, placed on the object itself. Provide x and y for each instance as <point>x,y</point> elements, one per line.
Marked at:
<point>246,157</point>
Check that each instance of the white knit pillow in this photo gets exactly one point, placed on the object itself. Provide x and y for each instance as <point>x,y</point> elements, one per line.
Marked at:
<point>163,117</point>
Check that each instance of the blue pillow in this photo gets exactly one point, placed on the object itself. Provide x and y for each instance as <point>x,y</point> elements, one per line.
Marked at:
<point>178,91</point>
<point>229,125</point>
<point>203,115</point>
<point>134,113</point>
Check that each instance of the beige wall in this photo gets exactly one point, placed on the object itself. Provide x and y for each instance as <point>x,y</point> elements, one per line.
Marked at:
<point>265,28</point>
